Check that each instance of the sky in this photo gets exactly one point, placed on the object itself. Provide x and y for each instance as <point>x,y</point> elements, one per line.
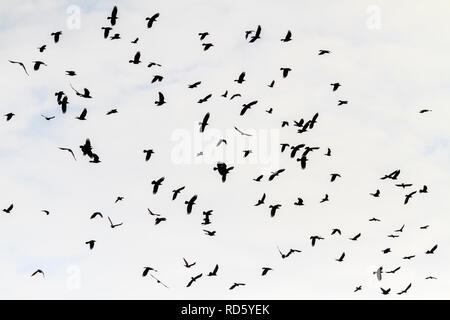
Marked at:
<point>391,59</point>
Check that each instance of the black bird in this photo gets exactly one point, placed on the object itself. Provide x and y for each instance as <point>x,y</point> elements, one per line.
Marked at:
<point>235,96</point>
<point>241,78</point>
<point>46,212</point>
<point>8,210</point>
<point>176,192</point>
<point>152,213</point>
<point>106,31</point>
<point>206,46</point>
<point>225,94</point>
<point>71,73</point>
<point>265,270</point>
<point>379,273</point>
<point>91,244</point>
<point>386,251</point>
<point>221,141</point>
<point>424,189</point>
<point>136,59</point>
<point>83,114</point>
<point>190,203</point>
<point>37,65</point>
<point>341,102</point>
<point>424,227</point>
<point>341,258</point>
<point>270,85</point>
<point>223,170</point>
<point>114,225</point>
<point>247,152</point>
<point>59,95</point>
<point>214,272</point>
<point>409,196</point>
<point>393,175</point>
<point>47,118</point>
<point>204,122</point>
<point>335,85</point>
<point>9,116</point>
<point>334,231</point>
<point>287,37</point>
<point>87,151</point>
<point>425,110</point>
<point>294,149</point>
<point>112,111</point>
<point>147,270</point>
<point>406,289</point>
<point>119,199</point>
<point>206,215</point>
<point>334,176</point>
<point>194,85</point>
<point>273,209</point>
<point>148,154</point>
<point>205,99</point>
<point>247,33</point>
<point>156,184</point>
<point>68,150</point>
<point>261,201</point>
<point>64,103</point>
<point>303,161</point>
<point>56,35</point>
<point>359,288</point>
<point>322,52</point>
<point>258,179</point>
<point>291,251</point>
<point>299,202</point>
<point>161,100</point>
<point>328,154</point>
<point>188,265</point>
<point>235,285</point>
<point>210,233</point>
<point>135,41</point>
<point>96,214</point>
<point>38,271</point>
<point>242,133</point>
<point>151,20</point>
<point>42,48</point>
<point>85,94</point>
<point>158,220</point>
<point>285,71</point>
<point>284,146</point>
<point>257,34</point>
<point>376,194</point>
<point>408,257</point>
<point>394,271</point>
<point>151,64</point>
<point>276,173</point>
<point>113,18</point>
<point>401,229</point>
<point>157,78</point>
<point>431,251</point>
<point>21,64</point>
<point>393,236</point>
<point>325,199</point>
<point>116,36</point>
<point>314,239</point>
<point>430,278</point>
<point>193,279</point>
<point>355,237</point>
<point>385,292</point>
<point>203,35</point>
<point>403,185</point>
<point>374,220</point>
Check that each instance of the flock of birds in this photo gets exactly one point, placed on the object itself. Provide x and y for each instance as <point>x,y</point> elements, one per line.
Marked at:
<point>300,153</point>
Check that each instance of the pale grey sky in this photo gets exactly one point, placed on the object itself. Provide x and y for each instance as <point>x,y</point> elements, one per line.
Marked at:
<point>391,58</point>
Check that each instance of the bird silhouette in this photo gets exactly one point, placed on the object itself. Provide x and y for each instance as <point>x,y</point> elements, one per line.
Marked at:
<point>265,270</point>
<point>273,209</point>
<point>356,237</point>
<point>188,265</point>
<point>114,225</point>
<point>210,233</point>
<point>8,210</point>
<point>314,239</point>
<point>190,204</point>
<point>106,31</point>
<point>96,214</point>
<point>148,154</point>
<point>341,258</point>
<point>261,201</point>
<point>247,106</point>
<point>334,231</point>
<point>393,175</point>
<point>240,79</point>
<point>276,173</point>
<point>291,251</point>
<point>242,133</point>
<point>147,270</point>
<point>205,99</point>
<point>424,189</point>
<point>207,46</point>
<point>156,184</point>
<point>406,289</point>
<point>376,194</point>
<point>256,35</point>
<point>287,37</point>
<point>326,198</point>
<point>235,285</point>
<point>70,73</point>
<point>285,71</point>
<point>83,114</point>
<point>151,20</point>
<point>38,271</point>
<point>42,48</point>
<point>214,272</point>
<point>394,270</point>
<point>299,202</point>
<point>160,100</point>
<point>113,18</point>
<point>194,85</point>
<point>335,85</point>
<point>359,288</point>
<point>91,244</point>
<point>258,179</point>
<point>176,192</point>
<point>37,65</point>
<point>9,116</point>
<point>56,35</point>
<point>203,35</point>
<point>193,279</point>
<point>334,176</point>
<point>409,196</point>
<point>322,52</point>
<point>431,251</point>
<point>204,122</point>
<point>385,291</point>
<point>86,93</point>
<point>136,58</point>
<point>223,170</point>
<point>68,150</point>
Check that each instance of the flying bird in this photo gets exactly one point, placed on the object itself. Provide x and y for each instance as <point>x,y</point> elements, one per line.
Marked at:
<point>257,34</point>
<point>265,270</point>
<point>83,114</point>
<point>287,37</point>
<point>151,20</point>
<point>193,279</point>
<point>261,201</point>
<point>56,35</point>
<point>160,100</point>
<point>156,184</point>
<point>204,122</point>
<point>431,251</point>
<point>8,210</point>
<point>214,272</point>
<point>176,192</point>
<point>188,265</point>
<point>223,170</point>
<point>20,64</point>
<point>273,209</point>
<point>113,18</point>
<point>190,204</point>
<point>68,150</point>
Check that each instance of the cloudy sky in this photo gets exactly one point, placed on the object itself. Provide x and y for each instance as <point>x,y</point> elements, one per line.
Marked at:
<point>391,58</point>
